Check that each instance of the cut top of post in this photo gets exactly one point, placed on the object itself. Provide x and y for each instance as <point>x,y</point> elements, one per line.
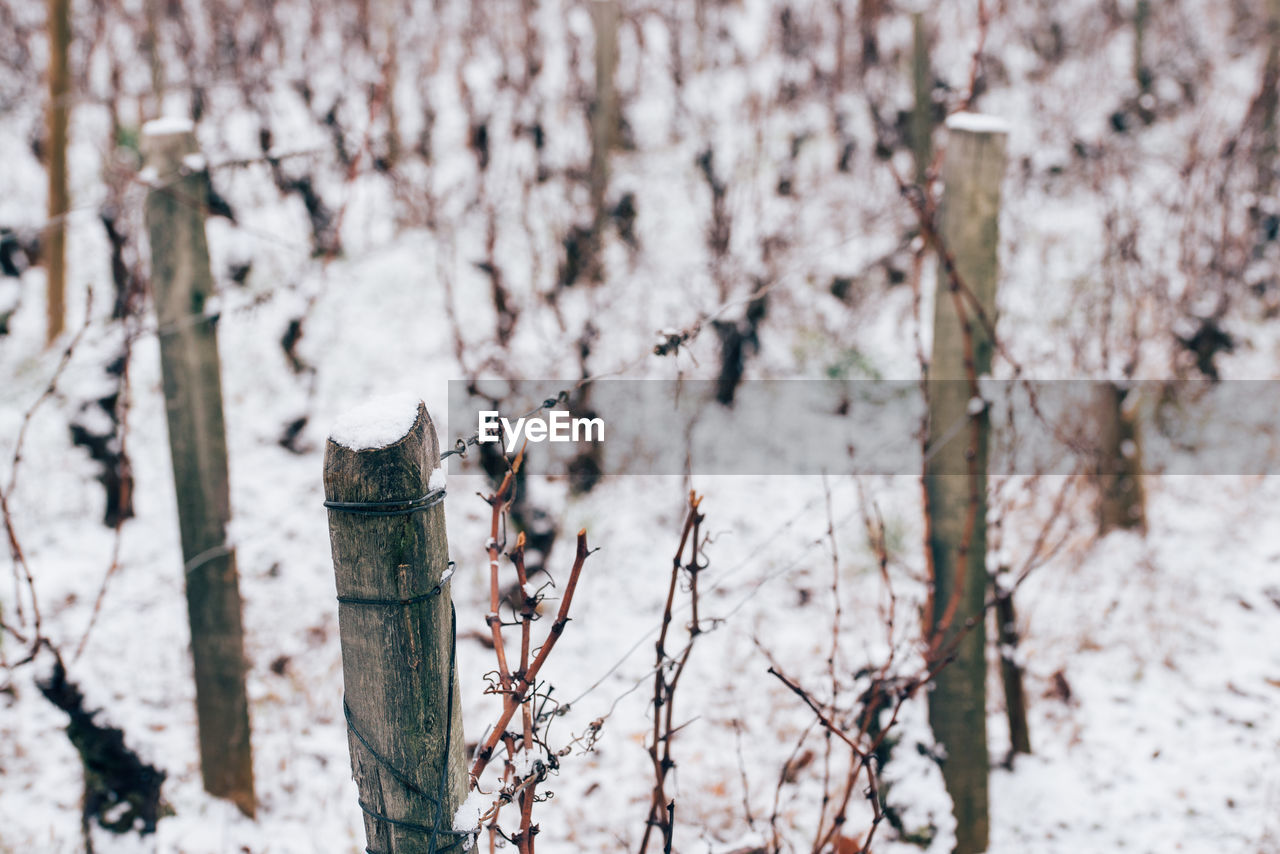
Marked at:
<point>977,123</point>
<point>168,143</point>
<point>377,423</point>
<point>168,126</point>
<point>382,450</point>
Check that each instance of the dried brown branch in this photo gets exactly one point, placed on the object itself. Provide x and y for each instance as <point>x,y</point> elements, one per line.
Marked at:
<point>117,538</point>
<point>520,686</point>
<point>866,738</point>
<point>498,502</point>
<point>661,809</point>
<point>859,759</point>
<point>525,836</point>
<point>818,712</point>
<point>22,570</point>
<point>522,771</point>
<point>49,391</point>
<point>975,61</point>
<point>831,657</point>
<point>785,775</point>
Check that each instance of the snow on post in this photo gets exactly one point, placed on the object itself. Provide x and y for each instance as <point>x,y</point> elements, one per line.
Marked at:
<point>377,423</point>
<point>166,144</point>
<point>183,284</point>
<point>977,123</point>
<point>956,470</point>
<point>167,126</point>
<point>395,623</point>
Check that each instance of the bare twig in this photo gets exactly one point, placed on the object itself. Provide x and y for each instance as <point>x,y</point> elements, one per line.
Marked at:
<point>522,769</point>
<point>22,570</point>
<point>831,659</point>
<point>521,685</point>
<point>123,404</point>
<point>661,809</point>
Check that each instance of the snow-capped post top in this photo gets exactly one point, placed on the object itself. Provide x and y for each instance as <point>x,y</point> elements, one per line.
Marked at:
<point>376,423</point>
<point>977,123</point>
<point>168,126</point>
<point>167,143</point>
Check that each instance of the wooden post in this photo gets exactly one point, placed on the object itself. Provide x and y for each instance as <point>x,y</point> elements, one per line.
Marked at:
<point>955,470</point>
<point>1267,147</point>
<point>604,121</point>
<point>386,40</point>
<point>397,632</point>
<point>182,283</point>
<point>1121,502</point>
<point>922,109</point>
<point>150,45</point>
<point>1015,697</point>
<point>55,251</point>
<point>1141,72</point>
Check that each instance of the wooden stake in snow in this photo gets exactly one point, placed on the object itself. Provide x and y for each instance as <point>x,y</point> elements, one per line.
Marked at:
<point>391,566</point>
<point>604,118</point>
<point>1015,697</point>
<point>956,468</point>
<point>193,402</point>
<point>59,109</point>
<point>921,127</point>
<point>1121,502</point>
<point>1268,146</point>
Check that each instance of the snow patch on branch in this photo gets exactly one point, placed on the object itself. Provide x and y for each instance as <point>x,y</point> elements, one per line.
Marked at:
<point>526,762</point>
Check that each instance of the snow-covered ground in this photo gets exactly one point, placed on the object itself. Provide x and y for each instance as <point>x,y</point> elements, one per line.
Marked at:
<point>1153,663</point>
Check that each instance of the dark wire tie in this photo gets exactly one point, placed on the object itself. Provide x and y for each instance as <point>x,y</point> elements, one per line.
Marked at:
<point>409,600</point>
<point>392,507</point>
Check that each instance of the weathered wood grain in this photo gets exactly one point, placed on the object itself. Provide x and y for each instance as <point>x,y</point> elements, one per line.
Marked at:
<point>396,659</point>
<point>182,284</point>
<point>955,485</point>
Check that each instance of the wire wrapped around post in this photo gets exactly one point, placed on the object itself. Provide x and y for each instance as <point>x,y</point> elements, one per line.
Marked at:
<point>397,629</point>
